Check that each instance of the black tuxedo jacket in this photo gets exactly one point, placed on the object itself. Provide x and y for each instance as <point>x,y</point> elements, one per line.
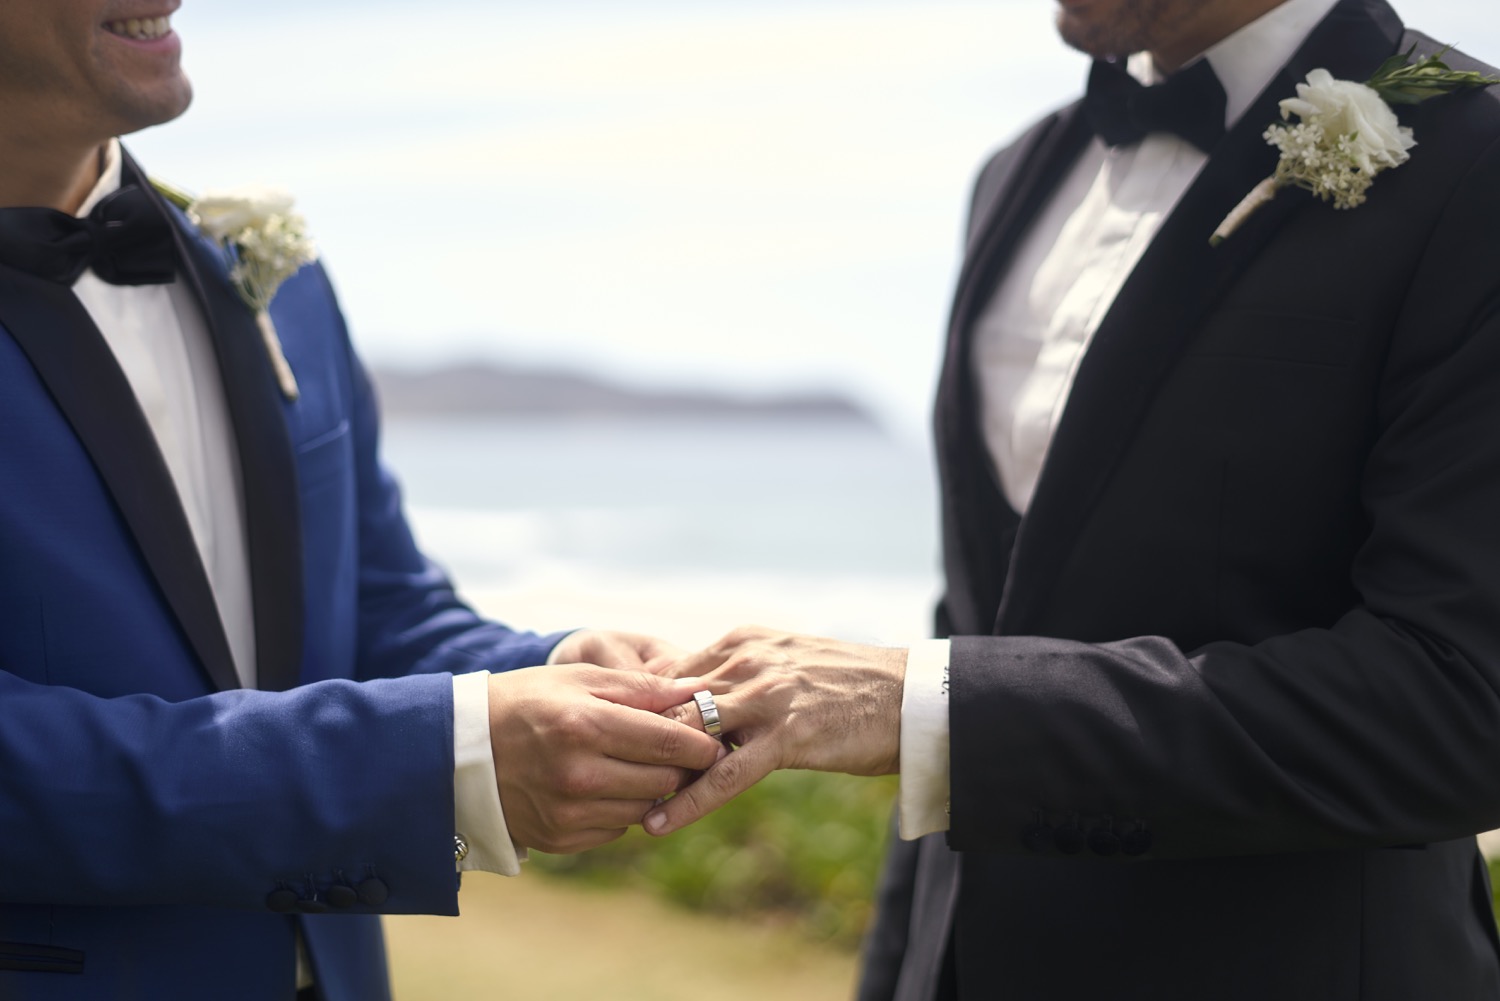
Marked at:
<point>1225,703</point>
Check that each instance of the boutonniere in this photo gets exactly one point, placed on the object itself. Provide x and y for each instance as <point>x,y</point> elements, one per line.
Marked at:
<point>1347,132</point>
<point>268,243</point>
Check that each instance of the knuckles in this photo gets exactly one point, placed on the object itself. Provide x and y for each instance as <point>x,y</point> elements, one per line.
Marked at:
<point>576,780</point>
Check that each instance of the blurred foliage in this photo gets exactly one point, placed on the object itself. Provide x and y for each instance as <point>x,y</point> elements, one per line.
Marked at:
<point>1495,887</point>
<point>800,846</point>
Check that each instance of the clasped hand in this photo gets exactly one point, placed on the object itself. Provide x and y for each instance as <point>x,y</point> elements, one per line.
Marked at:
<point>788,701</point>
<point>581,750</point>
<point>584,750</point>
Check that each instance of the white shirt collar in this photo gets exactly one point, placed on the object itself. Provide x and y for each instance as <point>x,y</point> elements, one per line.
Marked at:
<point>109,178</point>
<point>1248,60</point>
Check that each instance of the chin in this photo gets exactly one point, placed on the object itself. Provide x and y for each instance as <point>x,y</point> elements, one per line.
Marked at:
<point>143,111</point>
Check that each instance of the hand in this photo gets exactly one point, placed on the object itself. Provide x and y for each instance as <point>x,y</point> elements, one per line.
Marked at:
<point>790,702</point>
<point>581,752</point>
<point>622,651</point>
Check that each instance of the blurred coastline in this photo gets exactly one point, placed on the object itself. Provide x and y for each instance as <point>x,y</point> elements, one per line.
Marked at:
<point>684,526</point>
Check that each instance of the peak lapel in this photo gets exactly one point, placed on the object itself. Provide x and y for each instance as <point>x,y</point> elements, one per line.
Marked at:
<point>80,371</point>
<point>272,510</point>
<point>1170,291</point>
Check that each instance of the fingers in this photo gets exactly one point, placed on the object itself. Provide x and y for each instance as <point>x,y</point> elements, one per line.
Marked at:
<point>616,651</point>
<point>687,714</point>
<point>735,714</point>
<point>635,736</point>
<point>640,690</point>
<point>733,774</point>
<point>653,650</point>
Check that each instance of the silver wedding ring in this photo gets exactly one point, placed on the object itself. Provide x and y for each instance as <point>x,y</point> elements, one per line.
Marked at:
<point>710,713</point>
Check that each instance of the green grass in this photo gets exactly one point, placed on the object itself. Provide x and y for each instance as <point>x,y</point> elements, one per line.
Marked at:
<point>800,846</point>
<point>1495,887</point>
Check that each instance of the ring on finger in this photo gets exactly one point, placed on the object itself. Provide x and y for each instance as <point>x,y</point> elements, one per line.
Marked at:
<point>710,713</point>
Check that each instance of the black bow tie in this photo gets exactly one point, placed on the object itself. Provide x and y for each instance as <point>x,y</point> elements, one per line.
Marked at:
<point>1122,110</point>
<point>125,239</point>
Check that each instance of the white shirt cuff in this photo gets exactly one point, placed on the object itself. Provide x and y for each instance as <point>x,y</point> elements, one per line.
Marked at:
<point>477,816</point>
<point>924,740</point>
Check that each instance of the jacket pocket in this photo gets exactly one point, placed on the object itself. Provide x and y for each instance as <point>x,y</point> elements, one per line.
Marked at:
<point>39,958</point>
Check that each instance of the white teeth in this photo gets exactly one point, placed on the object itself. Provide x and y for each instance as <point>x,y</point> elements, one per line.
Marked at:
<point>141,29</point>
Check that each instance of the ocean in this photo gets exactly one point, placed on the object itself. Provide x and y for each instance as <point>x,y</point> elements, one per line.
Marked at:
<point>683,528</point>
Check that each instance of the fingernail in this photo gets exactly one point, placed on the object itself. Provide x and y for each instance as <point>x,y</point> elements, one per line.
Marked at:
<point>696,684</point>
<point>723,753</point>
<point>655,821</point>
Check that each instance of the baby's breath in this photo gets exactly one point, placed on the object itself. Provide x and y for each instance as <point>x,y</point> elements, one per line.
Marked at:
<point>269,254</point>
<point>1309,160</point>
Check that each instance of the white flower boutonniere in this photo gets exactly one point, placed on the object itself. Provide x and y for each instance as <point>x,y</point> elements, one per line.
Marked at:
<point>1348,132</point>
<point>270,244</point>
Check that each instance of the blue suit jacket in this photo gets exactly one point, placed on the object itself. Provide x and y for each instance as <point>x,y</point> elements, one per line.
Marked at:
<point>151,811</point>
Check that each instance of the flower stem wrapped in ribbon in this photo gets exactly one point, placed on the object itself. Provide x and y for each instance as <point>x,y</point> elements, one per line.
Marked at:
<point>1347,132</point>
<point>270,244</point>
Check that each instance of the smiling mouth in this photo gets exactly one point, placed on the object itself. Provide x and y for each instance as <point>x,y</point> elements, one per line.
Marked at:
<point>141,29</point>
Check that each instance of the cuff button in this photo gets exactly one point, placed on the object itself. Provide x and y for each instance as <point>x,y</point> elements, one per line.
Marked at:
<point>341,895</point>
<point>1070,840</point>
<point>1037,837</point>
<point>373,892</point>
<point>282,901</point>
<point>1103,841</point>
<point>1137,842</point>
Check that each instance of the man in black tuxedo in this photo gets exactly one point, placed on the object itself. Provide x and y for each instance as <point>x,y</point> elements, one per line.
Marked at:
<point>1220,713</point>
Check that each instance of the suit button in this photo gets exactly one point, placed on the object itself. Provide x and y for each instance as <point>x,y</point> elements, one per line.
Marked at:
<point>1103,841</point>
<point>341,895</point>
<point>1070,839</point>
<point>373,892</point>
<point>282,901</point>
<point>1037,837</point>
<point>312,905</point>
<point>1137,842</point>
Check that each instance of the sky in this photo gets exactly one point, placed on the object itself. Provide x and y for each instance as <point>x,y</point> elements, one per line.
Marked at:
<point>754,196</point>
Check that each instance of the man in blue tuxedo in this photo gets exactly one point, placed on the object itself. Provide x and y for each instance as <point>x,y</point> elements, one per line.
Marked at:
<point>1216,714</point>
<point>241,716</point>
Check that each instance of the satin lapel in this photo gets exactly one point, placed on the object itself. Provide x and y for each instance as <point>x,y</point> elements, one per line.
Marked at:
<point>980,525</point>
<point>80,371</point>
<point>1171,290</point>
<point>273,521</point>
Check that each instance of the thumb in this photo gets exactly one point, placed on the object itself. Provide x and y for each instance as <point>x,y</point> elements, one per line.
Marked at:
<point>650,692</point>
<point>731,775</point>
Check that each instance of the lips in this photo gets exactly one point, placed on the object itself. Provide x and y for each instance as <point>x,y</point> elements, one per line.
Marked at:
<point>141,29</point>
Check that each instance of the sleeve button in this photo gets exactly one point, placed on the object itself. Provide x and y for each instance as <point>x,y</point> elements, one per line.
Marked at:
<point>1070,839</point>
<point>1137,842</point>
<point>1103,841</point>
<point>341,895</point>
<point>282,901</point>
<point>373,892</point>
<point>1037,837</point>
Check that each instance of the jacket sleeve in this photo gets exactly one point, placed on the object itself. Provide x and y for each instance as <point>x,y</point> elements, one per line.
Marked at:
<point>224,799</point>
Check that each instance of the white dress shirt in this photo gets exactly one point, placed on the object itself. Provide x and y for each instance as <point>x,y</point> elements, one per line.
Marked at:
<point>160,338</point>
<point>1032,335</point>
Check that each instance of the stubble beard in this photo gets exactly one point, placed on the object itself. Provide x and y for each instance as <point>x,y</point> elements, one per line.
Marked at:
<point>1134,26</point>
